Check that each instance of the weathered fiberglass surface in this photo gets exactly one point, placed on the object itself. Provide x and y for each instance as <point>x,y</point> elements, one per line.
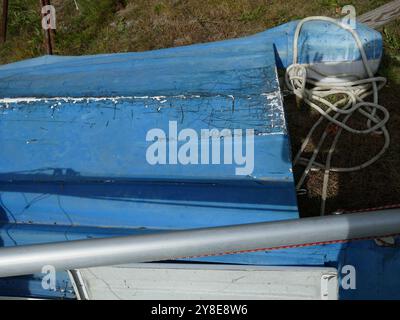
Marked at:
<point>76,167</point>
<point>73,141</point>
<point>76,161</point>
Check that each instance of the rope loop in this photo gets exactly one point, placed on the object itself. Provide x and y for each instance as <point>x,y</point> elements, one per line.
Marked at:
<point>322,96</point>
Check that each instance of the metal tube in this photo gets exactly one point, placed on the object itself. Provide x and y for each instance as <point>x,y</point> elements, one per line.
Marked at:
<point>197,242</point>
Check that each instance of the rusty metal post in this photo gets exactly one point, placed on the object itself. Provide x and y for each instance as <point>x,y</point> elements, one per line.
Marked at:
<point>4,22</point>
<point>49,33</point>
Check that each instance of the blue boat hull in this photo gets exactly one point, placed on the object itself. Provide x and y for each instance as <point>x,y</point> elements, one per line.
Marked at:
<point>74,161</point>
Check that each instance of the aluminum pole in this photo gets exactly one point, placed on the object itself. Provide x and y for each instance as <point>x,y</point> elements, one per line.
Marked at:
<point>196,242</point>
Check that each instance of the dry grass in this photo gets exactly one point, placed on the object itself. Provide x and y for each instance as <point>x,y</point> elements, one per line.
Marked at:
<point>137,25</point>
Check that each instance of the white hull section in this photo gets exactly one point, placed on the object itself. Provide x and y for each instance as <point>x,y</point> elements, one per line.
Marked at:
<point>206,282</point>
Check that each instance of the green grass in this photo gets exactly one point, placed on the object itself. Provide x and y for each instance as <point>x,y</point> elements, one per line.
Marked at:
<point>253,14</point>
<point>391,62</point>
<point>24,35</point>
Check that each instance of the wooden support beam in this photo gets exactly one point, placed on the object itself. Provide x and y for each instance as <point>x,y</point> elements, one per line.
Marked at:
<point>382,15</point>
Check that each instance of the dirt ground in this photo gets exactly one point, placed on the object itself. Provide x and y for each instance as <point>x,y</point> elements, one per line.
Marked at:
<point>375,186</point>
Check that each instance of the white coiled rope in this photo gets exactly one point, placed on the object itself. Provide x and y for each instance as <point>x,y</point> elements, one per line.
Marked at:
<point>337,113</point>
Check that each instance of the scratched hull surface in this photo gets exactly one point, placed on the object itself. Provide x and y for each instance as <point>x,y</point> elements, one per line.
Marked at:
<point>76,167</point>
<point>76,156</point>
<point>106,139</point>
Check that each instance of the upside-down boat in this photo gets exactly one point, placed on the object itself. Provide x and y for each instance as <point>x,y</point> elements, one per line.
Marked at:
<point>74,135</point>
